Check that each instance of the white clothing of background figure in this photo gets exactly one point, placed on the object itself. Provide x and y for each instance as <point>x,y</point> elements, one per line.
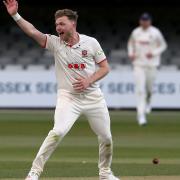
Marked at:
<point>145,46</point>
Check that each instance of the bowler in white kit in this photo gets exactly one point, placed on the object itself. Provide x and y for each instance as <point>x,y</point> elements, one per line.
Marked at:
<point>76,56</point>
<point>145,46</point>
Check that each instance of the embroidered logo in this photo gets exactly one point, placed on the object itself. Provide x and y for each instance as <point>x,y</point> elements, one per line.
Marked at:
<point>84,53</point>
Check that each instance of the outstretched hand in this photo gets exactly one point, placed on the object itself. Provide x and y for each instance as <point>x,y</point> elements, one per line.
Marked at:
<point>11,6</point>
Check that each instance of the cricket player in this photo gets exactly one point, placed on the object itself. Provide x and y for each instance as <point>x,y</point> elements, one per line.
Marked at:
<point>76,56</point>
<point>145,47</point>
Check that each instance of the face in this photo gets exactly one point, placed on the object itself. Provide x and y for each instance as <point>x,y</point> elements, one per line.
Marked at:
<point>65,27</point>
<point>145,23</point>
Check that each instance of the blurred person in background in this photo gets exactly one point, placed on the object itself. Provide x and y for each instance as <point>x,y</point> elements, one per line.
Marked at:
<point>145,46</point>
<point>76,56</point>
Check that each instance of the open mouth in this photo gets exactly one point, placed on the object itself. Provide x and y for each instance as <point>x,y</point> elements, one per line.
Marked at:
<point>61,33</point>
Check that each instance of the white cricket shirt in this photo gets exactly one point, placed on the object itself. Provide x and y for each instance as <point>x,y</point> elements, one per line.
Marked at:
<point>76,61</point>
<point>146,41</point>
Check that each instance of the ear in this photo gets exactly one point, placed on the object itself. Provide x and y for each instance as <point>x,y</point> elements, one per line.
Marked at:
<point>74,23</point>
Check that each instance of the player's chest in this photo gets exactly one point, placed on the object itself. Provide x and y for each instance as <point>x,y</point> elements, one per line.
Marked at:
<point>145,39</point>
<point>73,54</point>
<point>77,58</point>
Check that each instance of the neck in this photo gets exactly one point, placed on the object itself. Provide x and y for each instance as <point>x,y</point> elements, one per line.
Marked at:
<point>73,39</point>
<point>145,28</point>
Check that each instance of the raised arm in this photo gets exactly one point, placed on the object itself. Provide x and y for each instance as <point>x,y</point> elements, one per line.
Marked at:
<point>28,28</point>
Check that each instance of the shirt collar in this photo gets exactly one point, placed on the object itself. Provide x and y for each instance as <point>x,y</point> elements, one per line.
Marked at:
<point>77,45</point>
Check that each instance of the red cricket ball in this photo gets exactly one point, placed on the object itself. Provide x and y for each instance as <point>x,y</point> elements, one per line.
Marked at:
<point>155,161</point>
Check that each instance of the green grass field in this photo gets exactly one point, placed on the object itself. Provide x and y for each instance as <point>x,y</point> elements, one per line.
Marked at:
<point>22,132</point>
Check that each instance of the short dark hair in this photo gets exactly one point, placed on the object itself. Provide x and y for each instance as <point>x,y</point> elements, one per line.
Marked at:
<point>72,15</point>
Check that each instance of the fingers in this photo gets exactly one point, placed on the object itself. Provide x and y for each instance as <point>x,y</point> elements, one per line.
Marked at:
<point>77,82</point>
<point>79,89</point>
<point>8,1</point>
<point>78,86</point>
<point>79,79</point>
<point>5,3</point>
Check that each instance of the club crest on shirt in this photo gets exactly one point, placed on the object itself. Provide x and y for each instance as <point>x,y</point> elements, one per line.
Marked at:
<point>84,53</point>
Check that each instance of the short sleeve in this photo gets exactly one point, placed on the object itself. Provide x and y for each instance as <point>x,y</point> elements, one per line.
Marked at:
<point>51,42</point>
<point>98,52</point>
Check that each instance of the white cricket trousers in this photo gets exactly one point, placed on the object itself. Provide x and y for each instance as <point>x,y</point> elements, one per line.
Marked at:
<point>144,79</point>
<point>69,107</point>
